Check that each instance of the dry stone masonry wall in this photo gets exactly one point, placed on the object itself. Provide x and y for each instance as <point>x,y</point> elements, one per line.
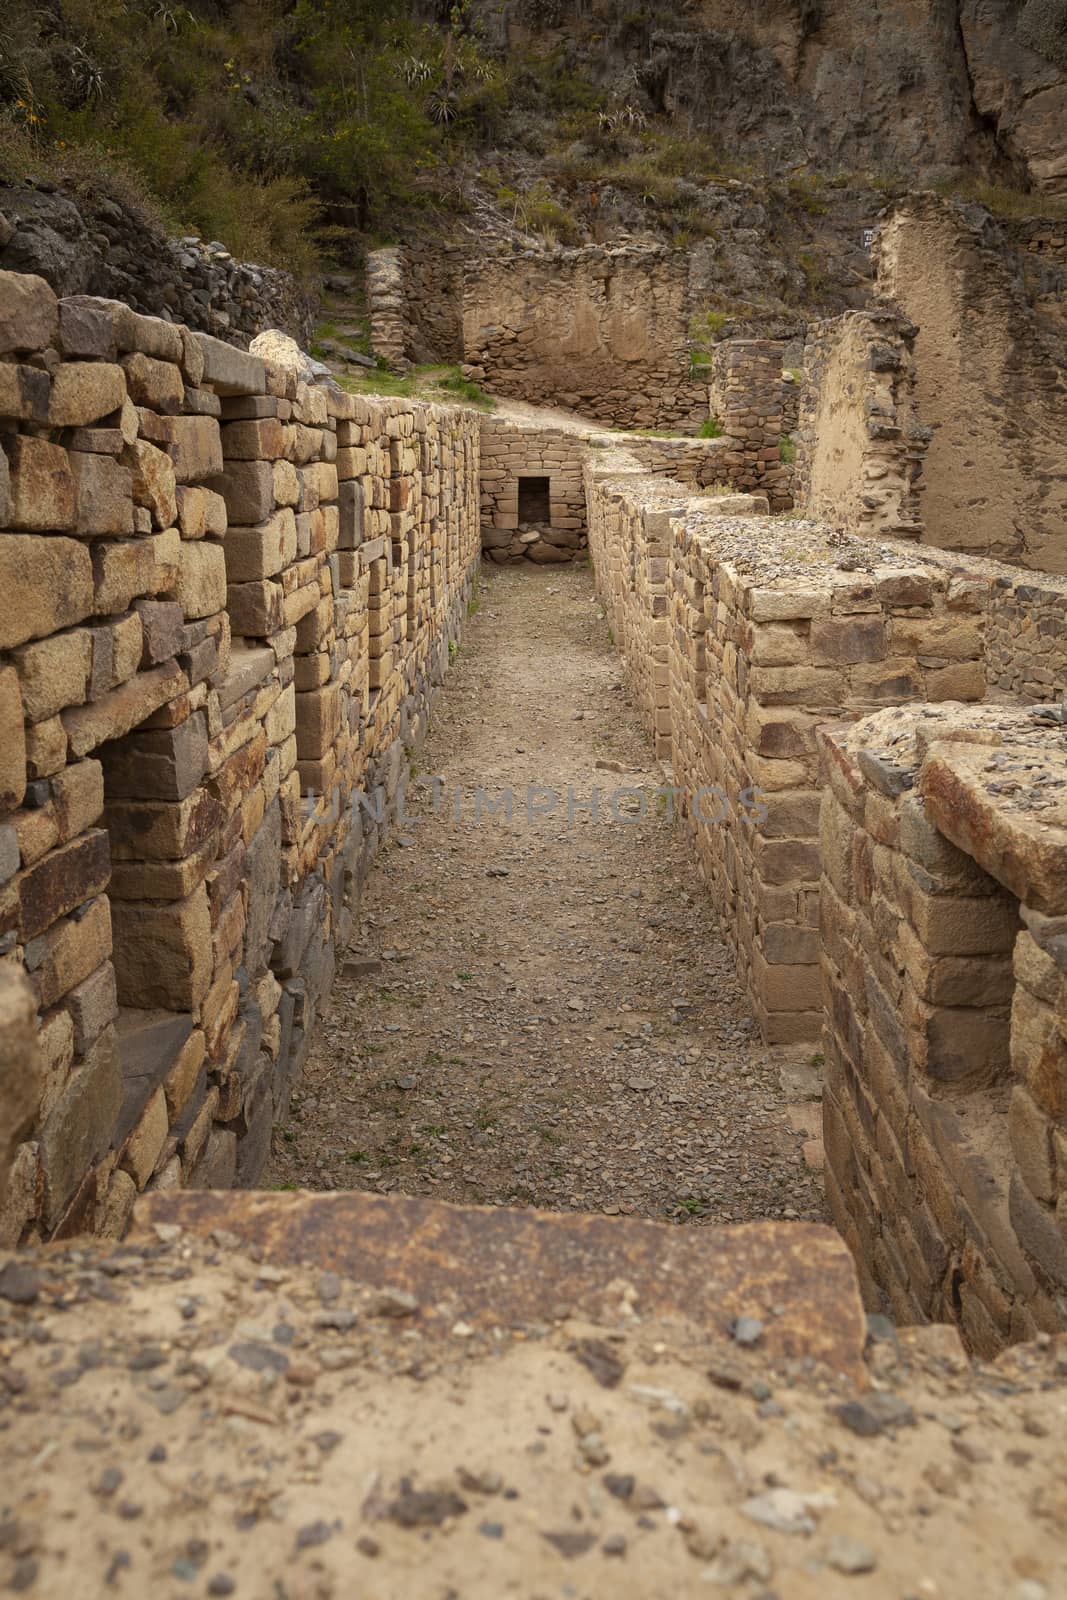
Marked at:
<point>533,498</point>
<point>932,896</point>
<point>944,895</point>
<point>747,397</point>
<point>231,596</point>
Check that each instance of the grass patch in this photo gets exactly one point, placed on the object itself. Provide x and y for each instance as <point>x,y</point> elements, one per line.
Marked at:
<point>445,385</point>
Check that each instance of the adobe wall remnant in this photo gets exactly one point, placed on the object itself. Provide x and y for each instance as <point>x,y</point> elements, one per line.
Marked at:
<point>602,331</point>
<point>511,456</point>
<point>860,444</point>
<point>944,896</point>
<point>95,245</point>
<point>990,383</point>
<point>231,596</point>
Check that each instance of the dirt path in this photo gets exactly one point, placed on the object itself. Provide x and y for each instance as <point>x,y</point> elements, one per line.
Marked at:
<point>555,1019</point>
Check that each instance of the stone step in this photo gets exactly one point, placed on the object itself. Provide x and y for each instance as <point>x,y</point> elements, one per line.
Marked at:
<point>497,1266</point>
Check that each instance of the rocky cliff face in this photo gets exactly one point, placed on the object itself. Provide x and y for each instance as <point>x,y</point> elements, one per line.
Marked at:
<point>923,87</point>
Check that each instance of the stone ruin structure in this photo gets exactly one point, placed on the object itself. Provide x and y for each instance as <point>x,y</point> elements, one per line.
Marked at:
<point>235,596</point>
<point>231,595</point>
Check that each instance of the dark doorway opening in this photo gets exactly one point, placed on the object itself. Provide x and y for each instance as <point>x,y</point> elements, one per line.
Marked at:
<point>534,501</point>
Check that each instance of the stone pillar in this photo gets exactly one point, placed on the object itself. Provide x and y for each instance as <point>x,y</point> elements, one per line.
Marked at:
<point>746,395</point>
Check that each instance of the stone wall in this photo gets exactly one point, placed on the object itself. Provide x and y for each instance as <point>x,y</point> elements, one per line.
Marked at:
<point>415,302</point>
<point>741,636</point>
<point>943,897</point>
<point>94,245</point>
<point>747,397</point>
<point>990,383</point>
<point>860,444</point>
<point>230,597</point>
<point>602,331</point>
<point>512,452</point>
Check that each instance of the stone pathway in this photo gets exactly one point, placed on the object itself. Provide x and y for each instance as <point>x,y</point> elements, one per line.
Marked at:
<point>543,1010</point>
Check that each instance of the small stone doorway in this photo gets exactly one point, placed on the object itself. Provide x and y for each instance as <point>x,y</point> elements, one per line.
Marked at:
<point>535,505</point>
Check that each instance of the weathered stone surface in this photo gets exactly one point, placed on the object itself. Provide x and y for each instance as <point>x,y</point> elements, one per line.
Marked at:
<point>12,741</point>
<point>104,495</point>
<point>83,392</point>
<point>54,672</point>
<point>194,447</point>
<point>63,879</point>
<point>201,585</point>
<point>116,713</point>
<point>43,493</point>
<point>160,764</point>
<point>78,1131</point>
<point>229,371</point>
<point>163,952</point>
<point>20,1067</point>
<point>247,488</point>
<point>153,481</point>
<point>156,384</point>
<point>29,312</point>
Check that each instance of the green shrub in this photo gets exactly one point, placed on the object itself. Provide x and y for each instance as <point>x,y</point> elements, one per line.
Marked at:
<point>710,428</point>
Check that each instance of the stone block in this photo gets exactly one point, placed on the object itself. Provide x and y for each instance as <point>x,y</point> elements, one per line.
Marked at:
<point>161,630</point>
<point>25,393</point>
<point>247,488</point>
<point>84,392</point>
<point>256,610</point>
<point>159,385</point>
<point>12,741</point>
<point>227,370</point>
<point>1031,1143</point>
<point>261,551</point>
<point>69,951</point>
<point>114,714</point>
<point>262,440</point>
<point>78,797</point>
<point>152,481</point>
<point>85,330</point>
<point>53,673</point>
<point>201,586</point>
<point>42,492</point>
<point>92,1005</point>
<point>128,569</point>
<point>848,640</point>
<point>195,448</point>
<point>163,953</point>
<point>158,764</point>
<point>29,312</point>
<point>104,490</point>
<point>79,1128</point>
<point>20,1064</point>
<point>318,721</point>
<point>61,880</point>
<point>145,1144</point>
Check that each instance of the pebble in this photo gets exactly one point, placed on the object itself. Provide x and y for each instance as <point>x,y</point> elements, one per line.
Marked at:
<point>849,1555</point>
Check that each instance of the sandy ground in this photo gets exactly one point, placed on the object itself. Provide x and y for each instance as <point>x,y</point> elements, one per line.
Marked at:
<point>178,1420</point>
<point>543,1010</point>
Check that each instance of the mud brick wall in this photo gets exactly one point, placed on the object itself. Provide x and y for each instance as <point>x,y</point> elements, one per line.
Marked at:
<point>602,331</point>
<point>747,398</point>
<point>230,596</point>
<point>990,382</point>
<point>511,453</point>
<point>860,444</point>
<point>943,899</point>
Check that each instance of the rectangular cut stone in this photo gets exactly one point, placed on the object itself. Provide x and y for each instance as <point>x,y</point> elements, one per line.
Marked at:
<point>62,880</point>
<point>116,713</point>
<point>163,952</point>
<point>53,579</point>
<point>12,741</point>
<point>247,489</point>
<point>43,495</point>
<point>228,370</point>
<point>194,448</point>
<point>104,490</point>
<point>84,392</point>
<point>201,586</point>
<point>262,551</point>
